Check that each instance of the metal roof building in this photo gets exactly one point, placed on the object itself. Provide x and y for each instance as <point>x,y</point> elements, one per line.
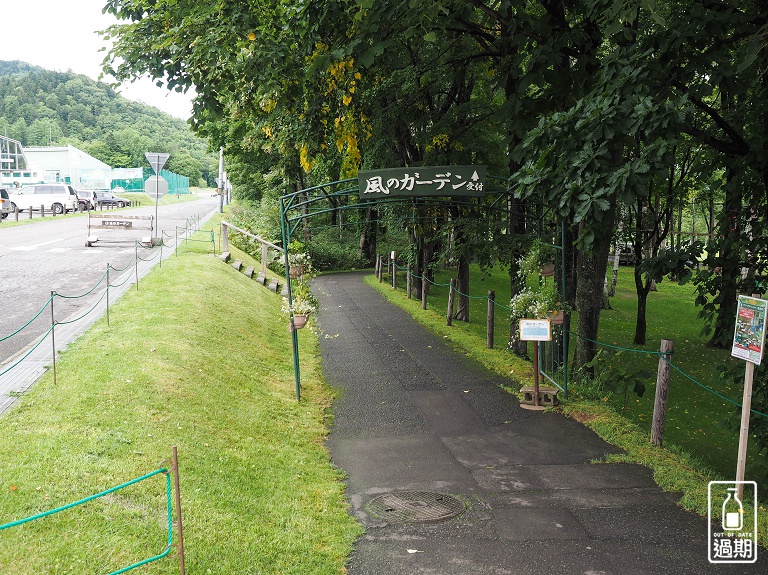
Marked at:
<point>70,165</point>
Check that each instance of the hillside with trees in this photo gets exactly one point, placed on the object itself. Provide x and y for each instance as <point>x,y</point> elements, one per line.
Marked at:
<point>39,107</point>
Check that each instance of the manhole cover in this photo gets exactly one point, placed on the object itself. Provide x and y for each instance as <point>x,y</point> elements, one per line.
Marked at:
<point>415,506</point>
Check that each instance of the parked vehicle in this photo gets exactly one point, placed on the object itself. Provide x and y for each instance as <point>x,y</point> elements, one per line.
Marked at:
<point>5,203</point>
<point>86,199</point>
<point>109,199</point>
<point>59,198</point>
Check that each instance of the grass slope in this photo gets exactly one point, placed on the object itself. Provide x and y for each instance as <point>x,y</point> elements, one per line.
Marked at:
<point>199,357</point>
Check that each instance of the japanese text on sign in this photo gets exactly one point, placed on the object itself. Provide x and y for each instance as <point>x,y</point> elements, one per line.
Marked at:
<point>424,181</point>
<point>749,333</point>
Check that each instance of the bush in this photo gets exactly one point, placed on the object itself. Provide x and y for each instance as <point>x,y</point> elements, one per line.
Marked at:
<point>335,256</point>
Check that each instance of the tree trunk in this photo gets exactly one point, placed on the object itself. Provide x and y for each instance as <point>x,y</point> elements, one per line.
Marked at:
<point>462,287</point>
<point>368,237</point>
<point>589,286</point>
<point>641,323</point>
<point>728,262</point>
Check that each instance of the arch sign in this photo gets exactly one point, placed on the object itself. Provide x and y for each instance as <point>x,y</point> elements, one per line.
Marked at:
<point>422,181</point>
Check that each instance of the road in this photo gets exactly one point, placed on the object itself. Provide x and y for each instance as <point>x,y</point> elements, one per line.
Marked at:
<point>50,255</point>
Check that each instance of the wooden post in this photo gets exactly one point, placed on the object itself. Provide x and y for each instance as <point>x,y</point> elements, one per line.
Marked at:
<point>536,373</point>
<point>662,387</point>
<point>408,281</point>
<point>178,509</point>
<point>379,265</point>
<point>264,256</point>
<point>449,315</point>
<point>424,290</point>
<point>746,407</point>
<point>491,324</point>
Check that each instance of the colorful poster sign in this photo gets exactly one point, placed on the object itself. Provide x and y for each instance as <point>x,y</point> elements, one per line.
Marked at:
<point>749,335</point>
<point>535,330</point>
<point>422,181</point>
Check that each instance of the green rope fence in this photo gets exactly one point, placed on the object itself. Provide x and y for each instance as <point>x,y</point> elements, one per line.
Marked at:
<point>93,307</point>
<point>42,309</point>
<point>672,365</point>
<point>169,508</point>
<point>596,342</point>
<point>192,226</point>
<point>29,351</point>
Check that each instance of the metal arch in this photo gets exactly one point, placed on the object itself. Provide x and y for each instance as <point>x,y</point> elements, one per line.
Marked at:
<point>289,224</point>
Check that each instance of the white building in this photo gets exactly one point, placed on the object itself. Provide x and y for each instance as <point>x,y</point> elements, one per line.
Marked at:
<point>14,166</point>
<point>69,165</point>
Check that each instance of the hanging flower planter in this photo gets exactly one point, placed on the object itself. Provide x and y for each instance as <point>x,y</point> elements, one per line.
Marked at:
<point>297,270</point>
<point>556,317</point>
<point>300,320</point>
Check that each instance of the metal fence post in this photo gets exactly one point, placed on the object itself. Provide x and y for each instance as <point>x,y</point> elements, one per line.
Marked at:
<point>136,263</point>
<point>178,509</point>
<point>107,294</point>
<point>53,337</point>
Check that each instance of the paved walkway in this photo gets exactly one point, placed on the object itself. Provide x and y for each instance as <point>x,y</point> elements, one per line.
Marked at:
<point>415,419</point>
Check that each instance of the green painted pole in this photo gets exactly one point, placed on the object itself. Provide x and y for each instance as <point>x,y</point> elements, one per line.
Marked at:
<point>294,334</point>
<point>565,331</point>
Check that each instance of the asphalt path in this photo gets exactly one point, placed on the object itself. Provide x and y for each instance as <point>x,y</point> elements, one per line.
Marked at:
<point>450,476</point>
<point>50,255</point>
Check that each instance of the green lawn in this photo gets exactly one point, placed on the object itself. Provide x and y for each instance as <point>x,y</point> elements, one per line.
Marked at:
<point>697,420</point>
<point>199,357</point>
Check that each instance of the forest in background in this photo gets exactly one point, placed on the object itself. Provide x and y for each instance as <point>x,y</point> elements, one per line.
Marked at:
<point>40,107</point>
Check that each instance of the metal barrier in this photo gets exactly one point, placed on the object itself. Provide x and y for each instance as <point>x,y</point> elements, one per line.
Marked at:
<point>122,223</point>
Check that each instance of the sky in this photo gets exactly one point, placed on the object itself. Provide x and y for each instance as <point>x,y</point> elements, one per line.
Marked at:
<point>61,35</point>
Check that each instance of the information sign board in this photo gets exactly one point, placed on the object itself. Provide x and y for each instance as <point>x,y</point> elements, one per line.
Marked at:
<point>749,335</point>
<point>535,330</point>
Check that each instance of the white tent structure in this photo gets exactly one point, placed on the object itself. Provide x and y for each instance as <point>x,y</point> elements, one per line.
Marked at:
<point>70,165</point>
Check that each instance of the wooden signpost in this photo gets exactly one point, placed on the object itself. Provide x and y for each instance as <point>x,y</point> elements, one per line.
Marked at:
<point>748,344</point>
<point>535,330</point>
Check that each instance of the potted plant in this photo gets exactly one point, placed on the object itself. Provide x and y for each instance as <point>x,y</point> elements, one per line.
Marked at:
<point>299,264</point>
<point>299,261</point>
<point>543,299</point>
<point>303,303</point>
<point>536,302</point>
<point>539,259</point>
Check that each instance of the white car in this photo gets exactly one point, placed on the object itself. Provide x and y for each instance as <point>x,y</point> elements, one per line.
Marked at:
<point>5,203</point>
<point>58,198</point>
